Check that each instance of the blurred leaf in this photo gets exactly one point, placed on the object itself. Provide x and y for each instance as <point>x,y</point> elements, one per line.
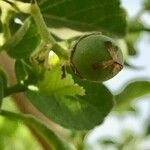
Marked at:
<point>131,40</point>
<point>147,4</point>
<point>131,66</point>
<point>20,70</point>
<point>78,112</point>
<point>45,133</point>
<point>24,41</point>
<point>85,15</point>
<point>132,91</point>
<point>16,136</point>
<point>132,109</point>
<point>107,142</point>
<point>7,127</point>
<point>54,83</point>
<point>134,29</point>
<point>131,48</point>
<point>78,139</point>
<point>148,130</point>
<point>135,25</point>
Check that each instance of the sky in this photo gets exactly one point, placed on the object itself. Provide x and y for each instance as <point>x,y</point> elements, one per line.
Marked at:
<point>112,126</point>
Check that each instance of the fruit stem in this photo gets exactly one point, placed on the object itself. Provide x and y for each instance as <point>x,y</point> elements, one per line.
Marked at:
<point>43,29</point>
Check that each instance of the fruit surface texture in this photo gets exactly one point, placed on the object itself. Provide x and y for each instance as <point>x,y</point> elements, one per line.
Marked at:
<point>96,57</point>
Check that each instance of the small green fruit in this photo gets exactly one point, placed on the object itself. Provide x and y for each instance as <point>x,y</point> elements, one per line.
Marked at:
<point>96,57</point>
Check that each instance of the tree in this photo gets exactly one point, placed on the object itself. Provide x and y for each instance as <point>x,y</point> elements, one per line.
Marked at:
<point>47,73</point>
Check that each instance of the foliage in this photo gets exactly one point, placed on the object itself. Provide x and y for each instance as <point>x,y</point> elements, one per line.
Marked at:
<point>43,68</point>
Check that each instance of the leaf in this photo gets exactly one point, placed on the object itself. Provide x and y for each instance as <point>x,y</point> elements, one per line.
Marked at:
<point>53,83</point>
<point>147,4</point>
<point>148,129</point>
<point>132,91</point>
<point>20,70</point>
<point>135,25</point>
<point>3,77</point>
<point>85,15</point>
<point>134,30</point>
<point>3,84</point>
<point>107,142</point>
<point>76,112</point>
<point>131,48</point>
<point>44,132</point>
<point>132,66</point>
<point>24,41</point>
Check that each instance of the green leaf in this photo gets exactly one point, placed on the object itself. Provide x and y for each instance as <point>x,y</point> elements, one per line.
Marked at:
<point>147,4</point>
<point>54,142</point>
<point>54,83</point>
<point>20,70</point>
<point>107,142</point>
<point>134,29</point>
<point>135,25</point>
<point>131,66</point>
<point>132,91</point>
<point>3,77</point>
<point>85,15</point>
<point>148,129</point>
<point>131,47</point>
<point>76,112</point>
<point>24,41</point>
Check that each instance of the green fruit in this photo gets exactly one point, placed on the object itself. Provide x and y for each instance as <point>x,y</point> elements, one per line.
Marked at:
<point>96,57</point>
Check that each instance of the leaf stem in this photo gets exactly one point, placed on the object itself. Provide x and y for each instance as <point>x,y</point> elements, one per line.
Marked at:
<point>35,11</point>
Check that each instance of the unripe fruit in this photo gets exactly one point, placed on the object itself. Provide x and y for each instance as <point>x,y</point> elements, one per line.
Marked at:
<point>96,57</point>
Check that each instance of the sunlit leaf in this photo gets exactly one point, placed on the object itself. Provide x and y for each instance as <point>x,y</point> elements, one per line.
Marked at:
<point>54,83</point>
